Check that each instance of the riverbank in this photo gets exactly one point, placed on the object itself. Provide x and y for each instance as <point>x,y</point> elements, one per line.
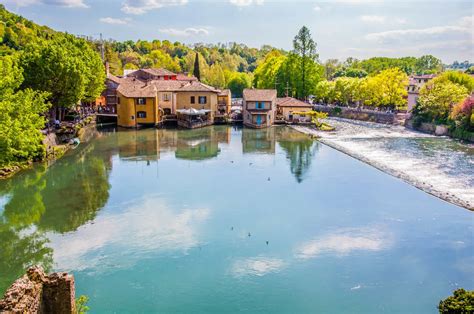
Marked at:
<point>432,179</point>
<point>56,145</point>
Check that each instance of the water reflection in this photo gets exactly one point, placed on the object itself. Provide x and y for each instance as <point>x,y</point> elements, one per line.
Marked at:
<point>58,199</point>
<point>299,149</point>
<point>258,141</point>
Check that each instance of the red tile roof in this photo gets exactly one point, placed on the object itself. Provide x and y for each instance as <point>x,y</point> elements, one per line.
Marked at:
<point>292,102</point>
<point>252,94</point>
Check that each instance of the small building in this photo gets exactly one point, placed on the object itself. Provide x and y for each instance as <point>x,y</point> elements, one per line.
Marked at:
<point>224,102</point>
<point>286,107</point>
<point>259,107</point>
<point>414,86</point>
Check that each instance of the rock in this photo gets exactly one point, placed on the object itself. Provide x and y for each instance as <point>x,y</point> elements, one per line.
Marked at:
<point>37,292</point>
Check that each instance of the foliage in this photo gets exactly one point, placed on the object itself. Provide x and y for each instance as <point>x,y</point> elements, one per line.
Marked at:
<point>386,89</point>
<point>437,97</point>
<point>461,302</point>
<point>81,304</point>
<point>315,116</point>
<point>238,82</point>
<point>304,47</point>
<point>456,77</point>
<point>20,116</point>
<point>197,72</point>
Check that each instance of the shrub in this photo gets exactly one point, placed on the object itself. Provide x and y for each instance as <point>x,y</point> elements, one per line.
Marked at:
<point>461,302</point>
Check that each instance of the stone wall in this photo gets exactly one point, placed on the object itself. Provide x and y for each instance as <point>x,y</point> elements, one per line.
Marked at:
<point>37,292</point>
<point>355,114</point>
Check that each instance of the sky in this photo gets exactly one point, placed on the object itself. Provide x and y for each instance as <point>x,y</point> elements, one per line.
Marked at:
<point>341,28</point>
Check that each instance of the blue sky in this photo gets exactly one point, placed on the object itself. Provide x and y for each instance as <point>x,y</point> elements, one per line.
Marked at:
<point>341,28</point>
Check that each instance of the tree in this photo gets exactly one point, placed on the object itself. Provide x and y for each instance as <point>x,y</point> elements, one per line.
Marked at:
<point>456,77</point>
<point>197,72</point>
<point>331,66</point>
<point>393,85</point>
<point>20,116</point>
<point>304,47</point>
<point>461,302</point>
<point>265,75</point>
<point>437,98</point>
<point>215,76</point>
<point>238,82</point>
<point>428,64</point>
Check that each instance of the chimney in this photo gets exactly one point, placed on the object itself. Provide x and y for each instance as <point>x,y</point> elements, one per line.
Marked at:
<point>107,68</point>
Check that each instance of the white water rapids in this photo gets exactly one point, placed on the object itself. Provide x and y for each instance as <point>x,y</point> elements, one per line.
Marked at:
<point>437,165</point>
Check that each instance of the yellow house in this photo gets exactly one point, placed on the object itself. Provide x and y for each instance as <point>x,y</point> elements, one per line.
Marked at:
<point>142,103</point>
<point>288,105</point>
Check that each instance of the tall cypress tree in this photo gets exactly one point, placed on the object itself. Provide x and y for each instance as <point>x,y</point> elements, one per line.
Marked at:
<point>197,72</point>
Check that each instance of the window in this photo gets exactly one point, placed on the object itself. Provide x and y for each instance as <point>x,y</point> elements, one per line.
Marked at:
<point>141,101</point>
<point>141,114</point>
<point>166,97</point>
<point>259,105</point>
<point>202,100</point>
<point>193,100</point>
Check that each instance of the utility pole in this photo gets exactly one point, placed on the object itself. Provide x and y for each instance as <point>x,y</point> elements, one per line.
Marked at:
<point>287,88</point>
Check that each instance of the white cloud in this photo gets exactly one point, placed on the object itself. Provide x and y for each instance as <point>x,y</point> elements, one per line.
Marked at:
<point>118,239</point>
<point>257,266</point>
<point>190,31</point>
<point>463,27</point>
<point>245,3</point>
<point>343,242</point>
<point>373,18</point>
<point>317,8</point>
<point>143,6</point>
<point>61,3</point>
<point>115,21</point>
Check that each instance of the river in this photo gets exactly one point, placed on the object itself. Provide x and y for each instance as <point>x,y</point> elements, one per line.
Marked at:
<point>225,219</point>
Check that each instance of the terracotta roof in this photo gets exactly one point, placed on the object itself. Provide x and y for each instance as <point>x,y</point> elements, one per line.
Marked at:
<point>224,92</point>
<point>114,78</point>
<point>195,86</point>
<point>251,94</point>
<point>184,77</point>
<point>424,76</point>
<point>292,102</point>
<point>158,72</point>
<point>131,87</point>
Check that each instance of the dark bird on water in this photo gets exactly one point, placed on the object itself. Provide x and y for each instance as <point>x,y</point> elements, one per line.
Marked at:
<point>232,161</point>
<point>268,178</point>
<point>250,163</point>
<point>231,228</point>
<point>267,242</point>
<point>249,234</point>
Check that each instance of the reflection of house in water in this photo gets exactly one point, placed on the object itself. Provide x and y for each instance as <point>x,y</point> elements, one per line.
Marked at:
<point>299,149</point>
<point>139,145</point>
<point>258,140</point>
<point>200,144</point>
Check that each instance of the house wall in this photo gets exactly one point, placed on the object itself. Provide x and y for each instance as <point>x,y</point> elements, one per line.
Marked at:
<point>227,100</point>
<point>287,111</point>
<point>127,112</point>
<point>268,114</point>
<point>167,104</point>
<point>183,101</point>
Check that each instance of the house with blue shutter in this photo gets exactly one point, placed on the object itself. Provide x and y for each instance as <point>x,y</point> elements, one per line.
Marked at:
<point>259,107</point>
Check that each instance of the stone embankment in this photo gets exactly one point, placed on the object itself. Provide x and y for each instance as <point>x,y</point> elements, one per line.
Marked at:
<point>358,114</point>
<point>37,292</point>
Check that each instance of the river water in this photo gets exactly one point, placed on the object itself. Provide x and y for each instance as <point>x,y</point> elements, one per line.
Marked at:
<point>226,219</point>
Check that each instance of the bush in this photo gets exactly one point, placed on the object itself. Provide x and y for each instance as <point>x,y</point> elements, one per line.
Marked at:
<point>461,302</point>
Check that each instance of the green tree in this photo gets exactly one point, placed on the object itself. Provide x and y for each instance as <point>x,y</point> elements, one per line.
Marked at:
<point>197,72</point>
<point>461,302</point>
<point>428,64</point>
<point>304,47</point>
<point>437,98</point>
<point>238,82</point>
<point>20,116</point>
<point>265,75</point>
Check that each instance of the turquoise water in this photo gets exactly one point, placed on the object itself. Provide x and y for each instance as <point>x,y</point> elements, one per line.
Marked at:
<point>178,221</point>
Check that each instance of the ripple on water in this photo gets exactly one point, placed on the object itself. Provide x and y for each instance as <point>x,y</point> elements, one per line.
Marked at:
<point>438,164</point>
